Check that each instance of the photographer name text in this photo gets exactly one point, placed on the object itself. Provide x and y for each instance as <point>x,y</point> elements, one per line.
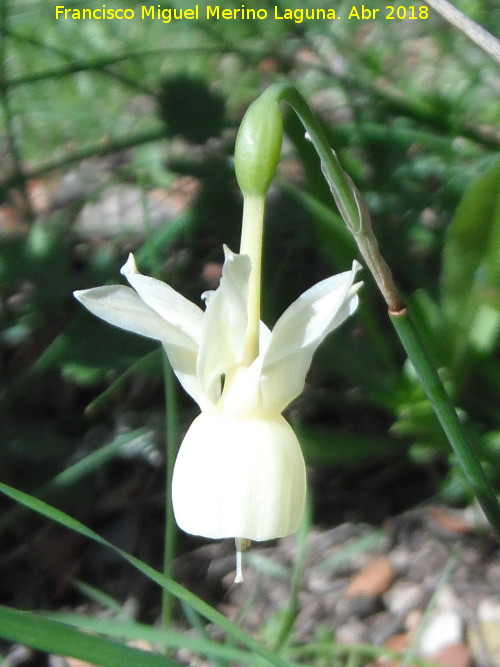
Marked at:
<point>243,13</point>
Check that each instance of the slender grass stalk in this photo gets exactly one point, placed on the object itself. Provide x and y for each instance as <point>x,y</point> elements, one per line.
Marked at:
<point>206,610</point>
<point>95,63</point>
<point>355,214</point>
<point>10,135</point>
<point>144,363</point>
<point>326,652</point>
<point>196,623</point>
<point>76,472</point>
<point>172,443</point>
<point>95,150</point>
<point>100,65</point>
<point>448,418</point>
<point>100,597</point>
<point>409,658</point>
<point>296,582</point>
<point>125,629</point>
<point>476,33</point>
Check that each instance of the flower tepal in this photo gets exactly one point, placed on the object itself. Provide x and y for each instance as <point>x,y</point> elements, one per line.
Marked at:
<point>240,471</point>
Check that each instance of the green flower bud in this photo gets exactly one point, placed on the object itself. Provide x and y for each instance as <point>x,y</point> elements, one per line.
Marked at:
<point>258,145</point>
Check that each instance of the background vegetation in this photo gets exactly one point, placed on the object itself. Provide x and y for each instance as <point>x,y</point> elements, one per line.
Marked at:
<point>118,136</point>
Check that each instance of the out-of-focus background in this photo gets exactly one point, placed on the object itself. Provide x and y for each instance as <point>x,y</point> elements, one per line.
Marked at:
<point>118,136</point>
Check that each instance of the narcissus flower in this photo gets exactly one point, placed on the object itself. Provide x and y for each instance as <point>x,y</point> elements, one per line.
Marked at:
<point>240,472</point>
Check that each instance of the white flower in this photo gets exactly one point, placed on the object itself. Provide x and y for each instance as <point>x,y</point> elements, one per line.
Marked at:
<point>240,471</point>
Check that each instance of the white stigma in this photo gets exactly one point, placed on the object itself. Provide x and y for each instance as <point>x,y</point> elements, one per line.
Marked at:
<point>238,579</point>
<point>241,544</point>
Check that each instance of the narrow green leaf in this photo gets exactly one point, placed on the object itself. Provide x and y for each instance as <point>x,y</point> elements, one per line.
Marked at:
<point>410,654</point>
<point>445,411</point>
<point>361,545</point>
<point>101,148</point>
<point>176,589</point>
<point>78,470</point>
<point>99,597</point>
<point>143,365</point>
<point>44,634</point>
<point>158,636</point>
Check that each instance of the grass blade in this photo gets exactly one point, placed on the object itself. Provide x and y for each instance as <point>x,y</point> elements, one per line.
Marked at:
<point>445,411</point>
<point>78,470</point>
<point>44,634</point>
<point>160,637</point>
<point>203,608</point>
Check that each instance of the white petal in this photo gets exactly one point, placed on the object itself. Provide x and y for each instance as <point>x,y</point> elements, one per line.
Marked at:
<point>122,307</point>
<point>299,331</point>
<point>224,325</point>
<point>264,338</point>
<point>239,478</point>
<point>183,362</point>
<point>164,300</point>
<point>185,326</point>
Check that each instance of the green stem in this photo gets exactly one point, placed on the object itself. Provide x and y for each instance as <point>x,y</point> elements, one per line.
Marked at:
<point>447,415</point>
<point>170,534</point>
<point>297,579</point>
<point>251,245</point>
<point>336,177</point>
<point>349,202</point>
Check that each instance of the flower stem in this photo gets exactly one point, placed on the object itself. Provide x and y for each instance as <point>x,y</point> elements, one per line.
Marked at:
<point>251,245</point>
<point>349,201</point>
<point>447,415</point>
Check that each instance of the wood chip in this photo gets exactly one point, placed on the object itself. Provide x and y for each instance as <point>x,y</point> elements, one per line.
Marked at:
<point>454,655</point>
<point>450,521</point>
<point>373,580</point>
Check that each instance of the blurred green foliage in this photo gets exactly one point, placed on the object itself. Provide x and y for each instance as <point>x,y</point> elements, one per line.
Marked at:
<point>412,111</point>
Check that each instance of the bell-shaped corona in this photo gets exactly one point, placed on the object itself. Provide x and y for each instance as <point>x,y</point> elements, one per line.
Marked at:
<point>239,477</point>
